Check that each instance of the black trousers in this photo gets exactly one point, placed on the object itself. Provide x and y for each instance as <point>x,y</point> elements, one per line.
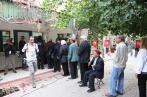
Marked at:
<point>65,68</point>
<point>90,75</point>
<point>50,62</point>
<point>83,69</point>
<point>73,69</point>
<point>40,62</point>
<point>57,66</point>
<point>24,65</point>
<point>142,78</point>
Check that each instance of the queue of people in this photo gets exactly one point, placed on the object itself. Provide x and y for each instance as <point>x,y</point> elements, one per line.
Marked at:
<point>69,56</point>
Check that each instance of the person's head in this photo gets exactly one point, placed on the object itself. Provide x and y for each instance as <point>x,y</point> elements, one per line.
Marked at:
<point>39,39</point>
<point>144,42</point>
<point>31,40</point>
<point>11,39</point>
<point>96,53</point>
<point>73,40</point>
<point>50,40</point>
<point>8,41</point>
<point>83,37</point>
<point>120,38</point>
<point>22,37</point>
<point>112,49</point>
<point>63,42</point>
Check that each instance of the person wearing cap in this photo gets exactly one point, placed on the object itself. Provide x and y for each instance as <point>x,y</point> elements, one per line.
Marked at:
<point>97,71</point>
<point>84,56</point>
<point>64,57</point>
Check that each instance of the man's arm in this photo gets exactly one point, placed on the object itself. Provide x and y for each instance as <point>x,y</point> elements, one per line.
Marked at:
<point>24,48</point>
<point>37,49</point>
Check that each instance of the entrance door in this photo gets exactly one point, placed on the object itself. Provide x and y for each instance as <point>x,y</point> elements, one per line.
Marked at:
<point>18,34</point>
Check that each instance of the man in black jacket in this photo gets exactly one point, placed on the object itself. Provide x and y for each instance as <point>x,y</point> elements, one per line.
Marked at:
<point>56,54</point>
<point>41,52</point>
<point>10,52</point>
<point>84,56</point>
<point>97,71</point>
<point>21,45</point>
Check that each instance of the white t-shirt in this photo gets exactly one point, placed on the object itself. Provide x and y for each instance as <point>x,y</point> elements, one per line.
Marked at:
<point>30,51</point>
<point>141,61</point>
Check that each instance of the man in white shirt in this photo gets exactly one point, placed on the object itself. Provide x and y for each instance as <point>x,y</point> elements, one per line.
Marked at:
<point>31,50</point>
<point>119,64</point>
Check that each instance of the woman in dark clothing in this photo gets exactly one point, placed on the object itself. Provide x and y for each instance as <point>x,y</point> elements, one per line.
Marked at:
<point>64,57</point>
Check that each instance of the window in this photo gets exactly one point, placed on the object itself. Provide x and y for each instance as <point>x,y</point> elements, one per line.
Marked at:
<point>5,36</point>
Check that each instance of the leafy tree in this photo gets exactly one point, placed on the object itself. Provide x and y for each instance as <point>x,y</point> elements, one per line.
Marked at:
<point>100,16</point>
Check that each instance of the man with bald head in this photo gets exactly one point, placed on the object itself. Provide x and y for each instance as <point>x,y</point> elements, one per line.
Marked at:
<point>119,64</point>
<point>84,56</point>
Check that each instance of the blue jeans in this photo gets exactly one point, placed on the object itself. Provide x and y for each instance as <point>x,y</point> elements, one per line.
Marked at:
<point>117,81</point>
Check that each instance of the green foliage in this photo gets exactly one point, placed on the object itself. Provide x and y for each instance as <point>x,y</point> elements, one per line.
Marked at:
<point>100,16</point>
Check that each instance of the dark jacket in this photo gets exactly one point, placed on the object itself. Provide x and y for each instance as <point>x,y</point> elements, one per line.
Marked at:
<point>9,48</point>
<point>99,67</point>
<point>63,53</point>
<point>50,50</point>
<point>56,51</point>
<point>21,45</point>
<point>84,52</point>
<point>73,53</point>
<point>41,48</point>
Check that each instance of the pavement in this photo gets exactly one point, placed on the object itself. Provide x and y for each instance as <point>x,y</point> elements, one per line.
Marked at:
<point>59,86</point>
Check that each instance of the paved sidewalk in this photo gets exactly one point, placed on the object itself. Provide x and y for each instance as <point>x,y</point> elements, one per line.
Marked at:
<point>59,86</point>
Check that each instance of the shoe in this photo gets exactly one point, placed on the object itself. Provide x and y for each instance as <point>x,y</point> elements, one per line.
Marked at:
<point>79,82</point>
<point>119,93</point>
<point>71,78</point>
<point>90,90</point>
<point>65,75</point>
<point>5,73</point>
<point>82,85</point>
<point>108,95</point>
<point>34,86</point>
<point>14,71</point>
<point>54,71</point>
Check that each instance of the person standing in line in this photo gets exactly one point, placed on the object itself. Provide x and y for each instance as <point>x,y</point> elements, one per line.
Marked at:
<point>84,56</point>
<point>64,57</point>
<point>56,56</point>
<point>21,45</point>
<point>41,52</point>
<point>141,70</point>
<point>50,51</point>
<point>31,49</point>
<point>73,59</point>
<point>9,56</point>
<point>119,65</point>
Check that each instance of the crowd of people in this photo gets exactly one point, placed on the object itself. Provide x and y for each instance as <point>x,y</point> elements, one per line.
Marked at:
<point>36,53</point>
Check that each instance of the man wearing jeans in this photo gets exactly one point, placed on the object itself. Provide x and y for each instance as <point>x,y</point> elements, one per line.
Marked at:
<point>31,50</point>
<point>119,64</point>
